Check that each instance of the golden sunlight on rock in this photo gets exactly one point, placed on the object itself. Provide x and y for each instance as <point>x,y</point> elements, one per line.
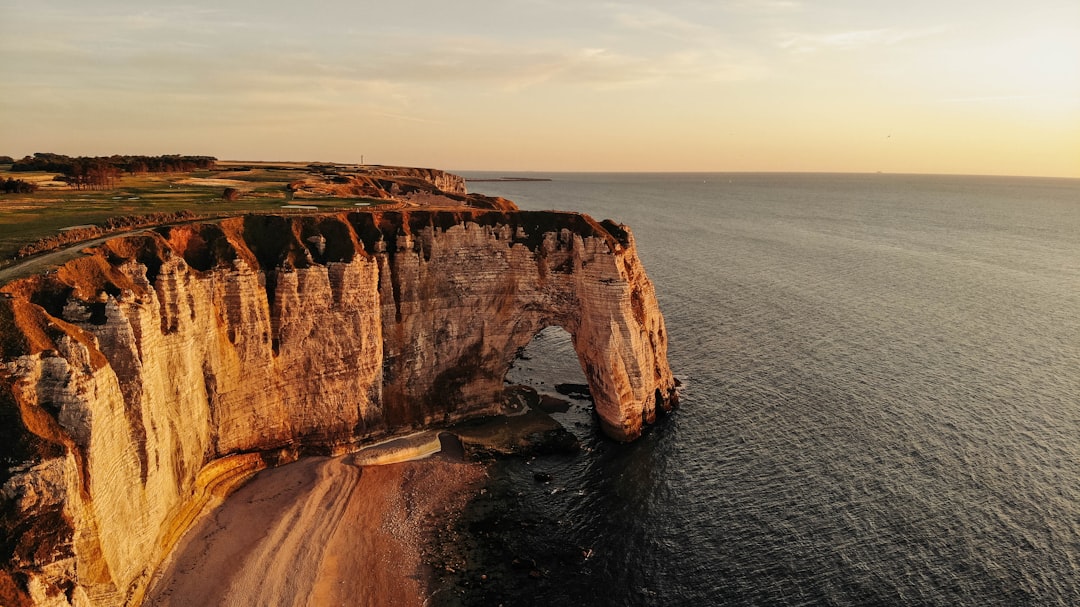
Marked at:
<point>152,376</point>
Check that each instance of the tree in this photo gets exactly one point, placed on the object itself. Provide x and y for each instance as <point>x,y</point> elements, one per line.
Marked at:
<point>17,186</point>
<point>106,168</point>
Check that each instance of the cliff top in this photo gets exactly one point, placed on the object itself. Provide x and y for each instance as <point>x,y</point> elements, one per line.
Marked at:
<point>61,209</point>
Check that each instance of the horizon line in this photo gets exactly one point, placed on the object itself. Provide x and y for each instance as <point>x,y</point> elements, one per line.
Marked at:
<point>611,171</point>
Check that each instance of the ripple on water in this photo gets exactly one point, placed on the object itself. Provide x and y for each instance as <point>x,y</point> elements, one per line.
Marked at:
<point>883,402</point>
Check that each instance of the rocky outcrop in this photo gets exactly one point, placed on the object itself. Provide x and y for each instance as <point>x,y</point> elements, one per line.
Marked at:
<point>443,181</point>
<point>412,186</point>
<point>164,366</point>
<point>387,178</point>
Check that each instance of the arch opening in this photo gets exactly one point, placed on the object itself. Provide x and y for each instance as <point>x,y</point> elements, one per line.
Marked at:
<point>547,375</point>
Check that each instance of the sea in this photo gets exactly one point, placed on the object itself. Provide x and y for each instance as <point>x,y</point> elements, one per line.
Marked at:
<point>880,402</point>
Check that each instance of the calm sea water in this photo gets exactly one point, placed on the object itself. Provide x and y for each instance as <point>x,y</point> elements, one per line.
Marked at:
<point>881,402</point>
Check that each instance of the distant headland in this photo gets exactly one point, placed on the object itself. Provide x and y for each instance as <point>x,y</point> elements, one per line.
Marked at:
<point>498,179</point>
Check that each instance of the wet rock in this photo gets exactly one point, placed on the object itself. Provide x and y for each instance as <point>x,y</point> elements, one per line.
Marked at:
<point>550,404</point>
<point>576,391</point>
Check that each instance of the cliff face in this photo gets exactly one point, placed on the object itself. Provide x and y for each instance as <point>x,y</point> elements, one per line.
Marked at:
<point>142,378</point>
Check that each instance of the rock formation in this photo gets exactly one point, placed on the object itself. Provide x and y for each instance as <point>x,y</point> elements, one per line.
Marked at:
<point>426,187</point>
<point>144,378</point>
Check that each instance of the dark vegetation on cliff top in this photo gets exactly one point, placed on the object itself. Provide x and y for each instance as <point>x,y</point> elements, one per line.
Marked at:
<point>17,186</point>
<point>101,172</point>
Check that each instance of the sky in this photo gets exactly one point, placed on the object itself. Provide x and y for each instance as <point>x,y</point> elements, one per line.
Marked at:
<point>918,86</point>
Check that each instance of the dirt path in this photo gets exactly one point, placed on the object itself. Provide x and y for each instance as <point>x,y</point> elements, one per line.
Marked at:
<point>52,259</point>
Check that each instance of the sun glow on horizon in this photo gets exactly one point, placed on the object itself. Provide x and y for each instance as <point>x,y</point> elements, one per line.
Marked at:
<point>751,85</point>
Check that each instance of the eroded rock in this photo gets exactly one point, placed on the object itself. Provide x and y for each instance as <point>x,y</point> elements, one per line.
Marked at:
<point>137,379</point>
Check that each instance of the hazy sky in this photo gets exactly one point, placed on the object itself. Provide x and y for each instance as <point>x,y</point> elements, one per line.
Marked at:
<point>929,86</point>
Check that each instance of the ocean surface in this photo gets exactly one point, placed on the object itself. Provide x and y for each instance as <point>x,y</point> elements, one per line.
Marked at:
<point>880,402</point>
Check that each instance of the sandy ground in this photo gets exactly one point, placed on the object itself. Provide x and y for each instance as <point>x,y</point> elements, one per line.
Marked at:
<point>318,532</point>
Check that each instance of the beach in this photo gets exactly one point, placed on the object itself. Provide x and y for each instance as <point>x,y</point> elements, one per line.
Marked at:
<point>320,531</point>
<point>378,526</point>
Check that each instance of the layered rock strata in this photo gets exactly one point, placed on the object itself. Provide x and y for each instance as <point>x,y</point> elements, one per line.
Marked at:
<point>148,376</point>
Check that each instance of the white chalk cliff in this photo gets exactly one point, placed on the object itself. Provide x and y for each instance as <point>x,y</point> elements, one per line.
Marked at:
<point>141,380</point>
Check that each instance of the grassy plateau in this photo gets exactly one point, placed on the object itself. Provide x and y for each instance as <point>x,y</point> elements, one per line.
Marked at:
<point>57,206</point>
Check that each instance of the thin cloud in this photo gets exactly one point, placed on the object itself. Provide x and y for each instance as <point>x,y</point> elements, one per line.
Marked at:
<point>1008,99</point>
<point>178,47</point>
<point>764,6</point>
<point>656,21</point>
<point>515,68</point>
<point>854,39</point>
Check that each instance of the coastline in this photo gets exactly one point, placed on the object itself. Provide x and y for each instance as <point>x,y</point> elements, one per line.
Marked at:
<point>352,534</point>
<point>385,525</point>
<point>283,343</point>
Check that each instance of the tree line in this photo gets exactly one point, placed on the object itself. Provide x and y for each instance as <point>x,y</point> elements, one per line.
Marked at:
<point>17,186</point>
<point>99,172</point>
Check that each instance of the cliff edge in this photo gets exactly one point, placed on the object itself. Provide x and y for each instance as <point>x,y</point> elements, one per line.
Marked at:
<point>162,367</point>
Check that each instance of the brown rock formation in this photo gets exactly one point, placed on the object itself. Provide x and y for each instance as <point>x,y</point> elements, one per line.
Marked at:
<point>169,364</point>
<point>425,187</point>
<point>411,187</point>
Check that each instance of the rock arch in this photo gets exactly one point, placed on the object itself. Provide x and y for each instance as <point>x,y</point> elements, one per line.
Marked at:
<point>513,284</point>
<point>141,377</point>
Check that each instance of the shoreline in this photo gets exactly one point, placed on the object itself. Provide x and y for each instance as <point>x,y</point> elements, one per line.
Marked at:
<point>375,526</point>
<point>320,531</point>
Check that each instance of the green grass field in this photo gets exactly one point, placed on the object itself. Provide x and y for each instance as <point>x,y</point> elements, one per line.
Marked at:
<point>25,218</point>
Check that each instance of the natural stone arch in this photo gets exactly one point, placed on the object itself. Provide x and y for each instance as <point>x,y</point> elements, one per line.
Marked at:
<point>582,276</point>
<point>550,355</point>
<point>606,377</point>
<point>141,375</point>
